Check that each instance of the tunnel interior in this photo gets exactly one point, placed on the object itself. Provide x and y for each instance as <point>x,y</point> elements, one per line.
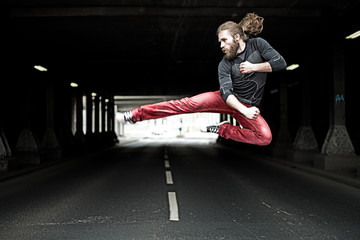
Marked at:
<point>69,169</point>
<point>168,49</point>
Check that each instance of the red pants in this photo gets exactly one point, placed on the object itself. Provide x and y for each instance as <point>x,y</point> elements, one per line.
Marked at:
<point>253,131</point>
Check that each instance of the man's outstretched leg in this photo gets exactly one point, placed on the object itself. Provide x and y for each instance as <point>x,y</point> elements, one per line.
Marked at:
<point>205,102</point>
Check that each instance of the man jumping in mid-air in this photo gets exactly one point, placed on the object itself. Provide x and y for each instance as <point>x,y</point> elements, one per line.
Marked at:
<point>242,77</point>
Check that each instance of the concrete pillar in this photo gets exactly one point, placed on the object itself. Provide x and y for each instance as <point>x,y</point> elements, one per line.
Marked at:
<point>305,145</point>
<point>282,142</point>
<point>64,120</point>
<point>223,117</point>
<point>27,148</point>
<point>110,114</point>
<point>107,115</point>
<point>337,151</point>
<point>111,120</point>
<point>50,147</point>
<point>97,114</point>
<point>4,146</point>
<point>5,151</point>
<point>79,114</point>
<point>80,140</point>
<point>3,160</point>
<point>103,134</point>
<point>232,121</point>
<point>103,114</point>
<point>90,136</point>
<point>97,126</point>
<point>73,114</point>
<point>89,111</point>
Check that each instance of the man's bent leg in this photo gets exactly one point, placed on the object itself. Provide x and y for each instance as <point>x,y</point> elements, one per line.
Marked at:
<point>253,132</point>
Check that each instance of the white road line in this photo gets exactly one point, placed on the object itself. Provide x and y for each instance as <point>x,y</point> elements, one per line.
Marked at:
<point>173,206</point>
<point>166,156</point>
<point>167,164</point>
<point>169,179</point>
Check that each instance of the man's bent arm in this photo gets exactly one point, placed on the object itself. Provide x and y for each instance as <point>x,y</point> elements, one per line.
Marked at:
<point>250,113</point>
<point>248,67</point>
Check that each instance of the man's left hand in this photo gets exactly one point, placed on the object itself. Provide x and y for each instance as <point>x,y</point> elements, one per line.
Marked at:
<point>247,67</point>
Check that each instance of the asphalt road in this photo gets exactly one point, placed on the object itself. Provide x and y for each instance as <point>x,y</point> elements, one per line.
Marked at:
<point>176,189</point>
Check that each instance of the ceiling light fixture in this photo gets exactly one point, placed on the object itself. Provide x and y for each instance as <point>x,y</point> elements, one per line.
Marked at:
<point>292,67</point>
<point>354,35</point>
<point>74,84</point>
<point>40,68</point>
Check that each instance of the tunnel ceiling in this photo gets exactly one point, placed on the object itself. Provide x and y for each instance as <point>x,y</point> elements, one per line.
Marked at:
<point>154,47</point>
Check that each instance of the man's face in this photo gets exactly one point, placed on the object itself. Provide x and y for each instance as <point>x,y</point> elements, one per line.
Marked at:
<point>228,44</point>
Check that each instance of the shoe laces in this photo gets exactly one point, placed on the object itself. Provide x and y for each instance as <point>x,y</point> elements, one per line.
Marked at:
<point>128,116</point>
<point>213,129</point>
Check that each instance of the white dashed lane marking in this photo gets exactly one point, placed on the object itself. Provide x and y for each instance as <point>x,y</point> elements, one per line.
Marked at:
<point>169,178</point>
<point>167,164</point>
<point>173,205</point>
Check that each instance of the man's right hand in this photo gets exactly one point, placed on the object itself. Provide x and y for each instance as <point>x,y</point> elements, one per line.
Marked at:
<point>251,113</point>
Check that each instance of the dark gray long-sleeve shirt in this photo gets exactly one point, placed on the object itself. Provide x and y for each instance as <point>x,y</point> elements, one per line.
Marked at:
<point>248,88</point>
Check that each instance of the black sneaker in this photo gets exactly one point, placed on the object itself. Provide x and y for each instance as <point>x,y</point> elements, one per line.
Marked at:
<point>126,117</point>
<point>213,128</point>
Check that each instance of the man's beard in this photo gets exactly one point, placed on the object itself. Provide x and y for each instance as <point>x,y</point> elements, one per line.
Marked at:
<point>231,54</point>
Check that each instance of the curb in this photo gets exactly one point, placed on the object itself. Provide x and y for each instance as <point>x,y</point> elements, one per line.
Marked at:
<point>353,182</point>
